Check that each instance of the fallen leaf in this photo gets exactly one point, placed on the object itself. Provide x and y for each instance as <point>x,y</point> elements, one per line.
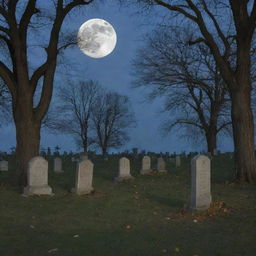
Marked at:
<point>177,249</point>
<point>128,226</point>
<point>76,236</point>
<point>53,250</point>
<point>31,226</point>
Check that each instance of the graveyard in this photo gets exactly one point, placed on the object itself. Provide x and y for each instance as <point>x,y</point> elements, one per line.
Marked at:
<point>145,212</point>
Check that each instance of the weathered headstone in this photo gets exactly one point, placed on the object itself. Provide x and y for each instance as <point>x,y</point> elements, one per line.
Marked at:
<point>146,165</point>
<point>200,183</point>
<point>124,170</point>
<point>177,161</point>
<point>161,166</point>
<point>84,176</point>
<point>37,177</point>
<point>58,165</point>
<point>3,165</point>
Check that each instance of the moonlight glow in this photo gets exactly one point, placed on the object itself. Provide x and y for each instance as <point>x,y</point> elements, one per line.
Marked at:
<point>96,38</point>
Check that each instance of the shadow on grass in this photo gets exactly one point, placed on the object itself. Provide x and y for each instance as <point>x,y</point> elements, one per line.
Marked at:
<point>167,201</point>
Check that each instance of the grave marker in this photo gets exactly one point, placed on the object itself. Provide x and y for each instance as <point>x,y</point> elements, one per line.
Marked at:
<point>200,183</point>
<point>124,170</point>
<point>84,177</point>
<point>37,177</point>
<point>58,165</point>
<point>3,165</point>
<point>161,166</point>
<point>146,165</point>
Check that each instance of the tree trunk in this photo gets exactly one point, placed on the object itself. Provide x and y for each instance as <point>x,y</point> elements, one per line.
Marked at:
<point>28,143</point>
<point>104,152</point>
<point>211,138</point>
<point>85,147</point>
<point>243,134</point>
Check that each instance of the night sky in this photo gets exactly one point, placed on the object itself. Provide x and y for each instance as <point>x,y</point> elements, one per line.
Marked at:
<point>114,73</point>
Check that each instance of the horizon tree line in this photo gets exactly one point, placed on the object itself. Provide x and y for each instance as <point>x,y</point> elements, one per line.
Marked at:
<point>95,117</point>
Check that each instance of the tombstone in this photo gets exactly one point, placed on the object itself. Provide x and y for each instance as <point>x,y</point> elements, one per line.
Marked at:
<point>200,183</point>
<point>58,165</point>
<point>124,170</point>
<point>84,175</point>
<point>146,165</point>
<point>177,161</point>
<point>3,165</point>
<point>37,177</point>
<point>161,165</point>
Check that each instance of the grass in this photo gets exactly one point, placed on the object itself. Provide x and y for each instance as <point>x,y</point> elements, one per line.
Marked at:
<point>141,217</point>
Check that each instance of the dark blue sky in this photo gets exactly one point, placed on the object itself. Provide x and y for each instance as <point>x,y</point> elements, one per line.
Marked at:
<point>114,72</point>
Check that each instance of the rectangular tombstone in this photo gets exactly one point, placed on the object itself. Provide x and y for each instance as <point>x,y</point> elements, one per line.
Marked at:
<point>84,177</point>
<point>124,170</point>
<point>146,165</point>
<point>3,165</point>
<point>37,177</point>
<point>57,165</point>
<point>177,161</point>
<point>161,167</point>
<point>200,183</point>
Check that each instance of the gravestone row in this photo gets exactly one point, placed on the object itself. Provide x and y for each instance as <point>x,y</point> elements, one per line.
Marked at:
<point>37,177</point>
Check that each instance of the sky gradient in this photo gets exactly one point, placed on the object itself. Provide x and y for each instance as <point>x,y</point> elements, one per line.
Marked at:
<point>114,72</point>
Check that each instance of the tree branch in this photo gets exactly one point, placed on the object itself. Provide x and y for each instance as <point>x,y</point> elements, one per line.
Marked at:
<point>25,19</point>
<point>176,9</point>
<point>218,29</point>
<point>7,76</point>
<point>38,73</point>
<point>253,15</point>
<point>52,52</point>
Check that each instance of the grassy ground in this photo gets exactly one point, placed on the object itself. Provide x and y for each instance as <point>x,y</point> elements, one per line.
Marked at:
<point>141,217</point>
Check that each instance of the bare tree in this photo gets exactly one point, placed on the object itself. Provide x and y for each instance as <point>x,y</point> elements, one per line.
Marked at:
<point>188,79</point>
<point>112,118</point>
<point>213,19</point>
<point>73,114</point>
<point>19,20</point>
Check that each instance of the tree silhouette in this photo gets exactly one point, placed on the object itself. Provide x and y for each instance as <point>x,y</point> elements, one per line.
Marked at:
<point>21,23</point>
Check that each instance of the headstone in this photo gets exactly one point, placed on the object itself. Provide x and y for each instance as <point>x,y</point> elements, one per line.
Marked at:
<point>3,165</point>
<point>58,165</point>
<point>84,176</point>
<point>124,170</point>
<point>146,165</point>
<point>161,165</point>
<point>200,183</point>
<point>37,177</point>
<point>177,161</point>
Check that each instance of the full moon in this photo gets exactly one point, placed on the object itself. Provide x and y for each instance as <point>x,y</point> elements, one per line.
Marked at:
<point>96,38</point>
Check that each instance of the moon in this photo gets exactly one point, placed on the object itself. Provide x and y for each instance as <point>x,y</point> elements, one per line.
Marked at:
<point>96,38</point>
